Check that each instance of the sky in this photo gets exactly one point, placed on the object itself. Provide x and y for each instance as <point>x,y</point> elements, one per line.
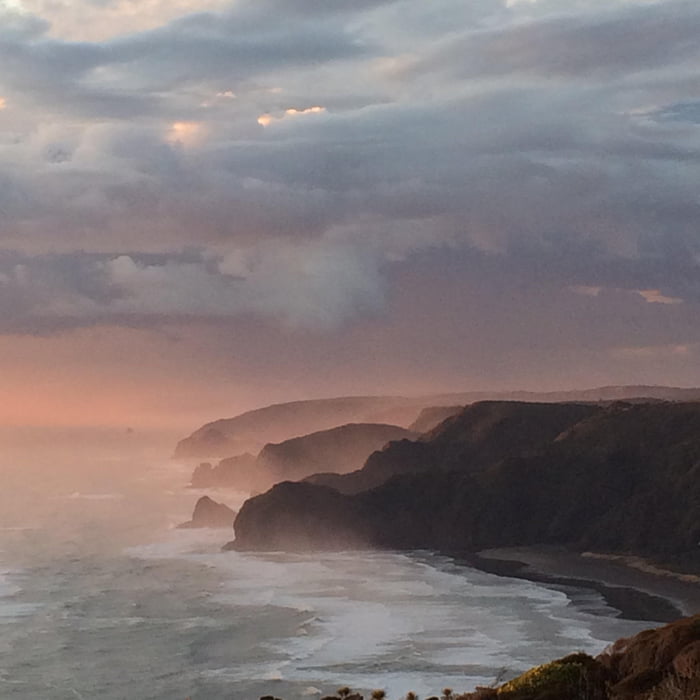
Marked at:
<point>211,205</point>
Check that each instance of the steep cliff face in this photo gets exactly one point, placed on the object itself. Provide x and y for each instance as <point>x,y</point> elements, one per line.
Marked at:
<point>620,478</point>
<point>298,516</point>
<point>479,436</point>
<point>429,418</point>
<point>337,450</point>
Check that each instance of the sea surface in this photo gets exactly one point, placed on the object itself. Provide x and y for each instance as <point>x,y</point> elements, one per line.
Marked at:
<point>101,598</point>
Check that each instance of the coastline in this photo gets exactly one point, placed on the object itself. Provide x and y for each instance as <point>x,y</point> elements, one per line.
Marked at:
<point>638,589</point>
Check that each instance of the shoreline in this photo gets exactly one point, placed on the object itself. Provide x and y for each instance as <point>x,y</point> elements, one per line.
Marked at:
<point>638,589</point>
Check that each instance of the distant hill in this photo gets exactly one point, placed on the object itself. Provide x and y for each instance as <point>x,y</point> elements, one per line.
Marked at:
<point>250,431</point>
<point>432,416</point>
<point>621,477</point>
<point>336,450</point>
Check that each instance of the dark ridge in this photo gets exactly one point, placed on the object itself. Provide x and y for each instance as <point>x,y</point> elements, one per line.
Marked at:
<point>620,478</point>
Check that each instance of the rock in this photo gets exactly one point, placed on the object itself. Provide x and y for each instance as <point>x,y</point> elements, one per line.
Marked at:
<point>209,513</point>
<point>686,663</point>
<point>275,520</point>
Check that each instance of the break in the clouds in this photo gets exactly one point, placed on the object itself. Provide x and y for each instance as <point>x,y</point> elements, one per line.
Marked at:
<point>290,160</point>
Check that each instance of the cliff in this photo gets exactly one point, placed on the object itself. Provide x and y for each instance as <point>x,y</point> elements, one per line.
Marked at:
<point>337,450</point>
<point>623,477</point>
<point>249,431</point>
<point>429,418</point>
<point>234,472</point>
<point>478,436</point>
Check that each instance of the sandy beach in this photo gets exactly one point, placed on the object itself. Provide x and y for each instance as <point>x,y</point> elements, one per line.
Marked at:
<point>639,589</point>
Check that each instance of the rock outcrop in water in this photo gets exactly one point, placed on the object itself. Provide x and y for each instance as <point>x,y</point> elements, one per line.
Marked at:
<point>209,513</point>
<point>622,478</point>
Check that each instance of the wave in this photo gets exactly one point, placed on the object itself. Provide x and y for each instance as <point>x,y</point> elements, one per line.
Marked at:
<point>392,620</point>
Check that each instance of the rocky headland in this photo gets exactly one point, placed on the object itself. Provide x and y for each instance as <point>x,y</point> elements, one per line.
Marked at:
<point>617,478</point>
<point>334,451</point>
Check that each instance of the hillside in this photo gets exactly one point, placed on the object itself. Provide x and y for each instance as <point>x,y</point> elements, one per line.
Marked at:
<point>337,450</point>
<point>478,436</point>
<point>429,418</point>
<point>334,451</point>
<point>250,431</point>
<point>624,477</point>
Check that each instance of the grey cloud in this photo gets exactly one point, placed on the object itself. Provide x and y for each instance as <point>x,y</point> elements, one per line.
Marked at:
<point>601,44</point>
<point>300,221</point>
<point>116,77</point>
<point>296,285</point>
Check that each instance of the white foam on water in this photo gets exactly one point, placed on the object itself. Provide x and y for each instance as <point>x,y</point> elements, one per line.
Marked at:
<point>10,608</point>
<point>383,620</point>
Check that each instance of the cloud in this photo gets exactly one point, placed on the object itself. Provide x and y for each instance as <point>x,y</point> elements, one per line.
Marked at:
<point>267,119</point>
<point>299,285</point>
<point>654,296</point>
<point>681,351</point>
<point>520,136</point>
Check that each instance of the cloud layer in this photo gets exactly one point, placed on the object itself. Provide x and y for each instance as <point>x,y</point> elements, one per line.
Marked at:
<point>291,161</point>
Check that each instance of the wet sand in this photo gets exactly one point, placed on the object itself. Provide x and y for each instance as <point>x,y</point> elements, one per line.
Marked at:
<point>635,587</point>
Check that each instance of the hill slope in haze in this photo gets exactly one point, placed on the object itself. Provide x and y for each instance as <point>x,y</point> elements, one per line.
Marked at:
<point>337,451</point>
<point>623,477</point>
<point>250,431</point>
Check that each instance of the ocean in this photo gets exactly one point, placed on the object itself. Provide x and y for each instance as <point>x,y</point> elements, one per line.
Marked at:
<point>102,598</point>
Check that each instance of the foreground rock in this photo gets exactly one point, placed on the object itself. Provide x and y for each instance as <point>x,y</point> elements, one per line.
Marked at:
<point>620,478</point>
<point>209,513</point>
